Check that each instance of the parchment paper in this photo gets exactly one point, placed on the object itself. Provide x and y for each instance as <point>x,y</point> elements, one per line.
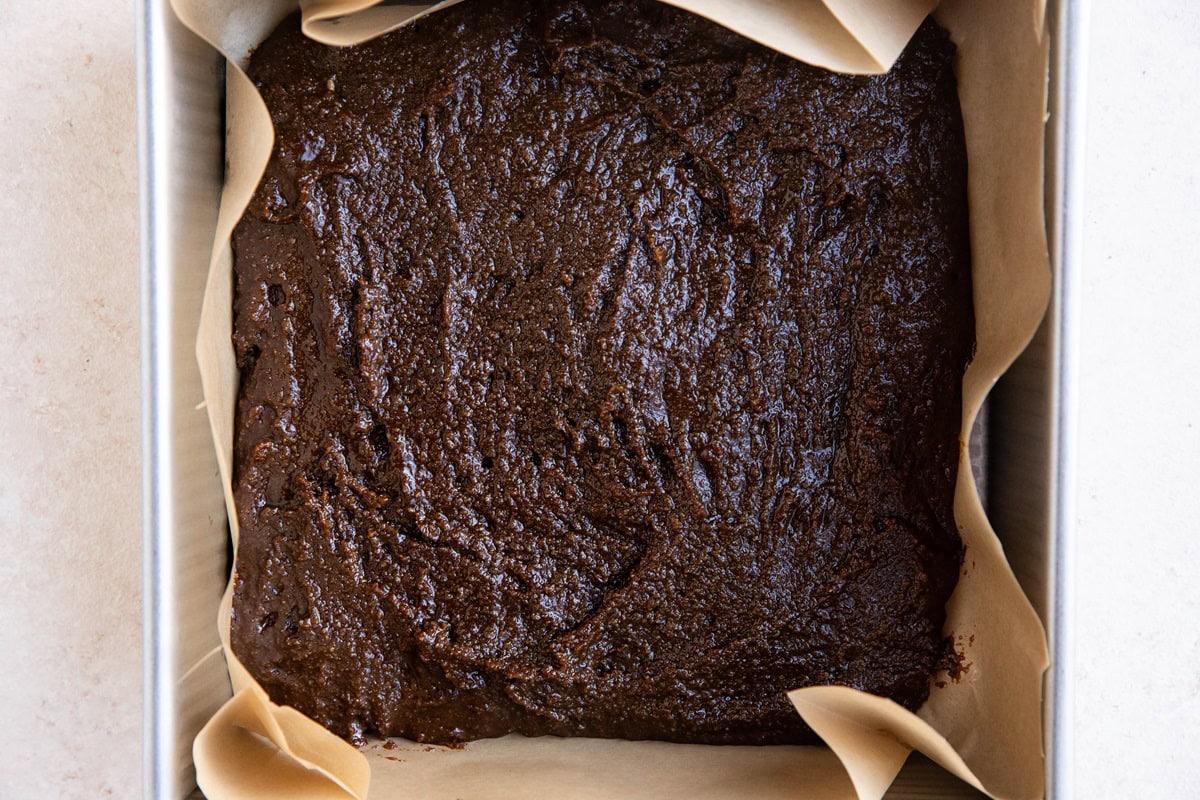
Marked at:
<point>984,727</point>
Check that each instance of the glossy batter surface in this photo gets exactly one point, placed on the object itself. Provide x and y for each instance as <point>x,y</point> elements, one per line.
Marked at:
<point>601,375</point>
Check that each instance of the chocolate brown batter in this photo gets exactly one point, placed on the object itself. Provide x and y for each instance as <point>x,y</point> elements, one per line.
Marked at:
<point>601,375</point>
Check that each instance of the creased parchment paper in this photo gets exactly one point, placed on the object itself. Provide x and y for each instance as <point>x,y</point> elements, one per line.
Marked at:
<point>984,727</point>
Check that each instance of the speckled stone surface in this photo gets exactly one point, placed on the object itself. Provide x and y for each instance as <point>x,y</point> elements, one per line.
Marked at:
<point>70,521</point>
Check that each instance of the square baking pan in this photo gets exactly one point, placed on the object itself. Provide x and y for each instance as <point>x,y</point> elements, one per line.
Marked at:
<point>187,555</point>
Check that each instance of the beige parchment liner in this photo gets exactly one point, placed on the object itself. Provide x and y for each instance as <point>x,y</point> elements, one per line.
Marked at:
<point>985,727</point>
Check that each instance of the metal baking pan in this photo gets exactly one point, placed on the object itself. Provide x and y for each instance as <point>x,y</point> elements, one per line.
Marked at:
<point>181,135</point>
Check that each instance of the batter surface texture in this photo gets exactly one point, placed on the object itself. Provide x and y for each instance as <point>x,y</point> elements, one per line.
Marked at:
<point>600,375</point>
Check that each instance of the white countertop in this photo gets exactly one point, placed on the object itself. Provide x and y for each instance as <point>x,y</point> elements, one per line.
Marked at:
<point>1138,556</point>
<point>70,549</point>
